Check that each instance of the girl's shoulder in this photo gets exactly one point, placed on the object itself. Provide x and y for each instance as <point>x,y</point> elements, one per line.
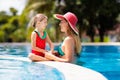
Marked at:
<point>33,33</point>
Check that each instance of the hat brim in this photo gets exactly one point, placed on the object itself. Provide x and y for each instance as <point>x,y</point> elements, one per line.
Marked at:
<point>60,17</point>
<point>74,28</point>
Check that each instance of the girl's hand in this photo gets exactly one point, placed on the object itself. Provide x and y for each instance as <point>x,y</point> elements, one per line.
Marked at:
<point>50,52</point>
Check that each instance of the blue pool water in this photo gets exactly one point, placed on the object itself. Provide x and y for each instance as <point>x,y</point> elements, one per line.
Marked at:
<point>11,68</point>
<point>104,59</point>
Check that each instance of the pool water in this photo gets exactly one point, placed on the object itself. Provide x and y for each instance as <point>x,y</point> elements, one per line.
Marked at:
<point>104,59</point>
<point>14,68</point>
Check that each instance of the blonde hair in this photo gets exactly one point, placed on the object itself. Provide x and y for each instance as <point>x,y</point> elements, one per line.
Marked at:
<point>39,17</point>
<point>76,39</point>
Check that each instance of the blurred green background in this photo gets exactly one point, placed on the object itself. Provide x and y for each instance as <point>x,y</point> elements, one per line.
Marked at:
<point>99,20</point>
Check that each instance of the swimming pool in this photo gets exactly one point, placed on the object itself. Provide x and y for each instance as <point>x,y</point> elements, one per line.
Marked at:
<point>102,58</point>
<point>14,65</point>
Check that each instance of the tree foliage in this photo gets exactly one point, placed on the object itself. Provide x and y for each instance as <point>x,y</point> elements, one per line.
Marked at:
<point>92,14</point>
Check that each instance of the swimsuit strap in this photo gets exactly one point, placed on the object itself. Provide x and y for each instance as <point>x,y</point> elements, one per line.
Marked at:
<point>60,52</point>
<point>44,35</point>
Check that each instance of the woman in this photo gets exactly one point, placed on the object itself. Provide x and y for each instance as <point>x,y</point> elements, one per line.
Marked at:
<point>71,45</point>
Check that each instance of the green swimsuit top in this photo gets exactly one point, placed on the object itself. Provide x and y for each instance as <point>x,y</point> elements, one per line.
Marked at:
<point>42,37</point>
<point>60,52</point>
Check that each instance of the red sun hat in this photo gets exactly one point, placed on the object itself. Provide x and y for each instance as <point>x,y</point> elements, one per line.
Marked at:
<point>71,19</point>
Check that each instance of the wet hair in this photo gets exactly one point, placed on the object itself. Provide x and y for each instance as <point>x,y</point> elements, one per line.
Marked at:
<point>38,17</point>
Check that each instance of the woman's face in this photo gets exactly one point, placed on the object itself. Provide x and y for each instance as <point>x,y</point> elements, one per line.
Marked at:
<point>64,25</point>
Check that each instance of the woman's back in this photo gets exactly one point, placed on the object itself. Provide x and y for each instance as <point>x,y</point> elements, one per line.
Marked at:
<point>68,47</point>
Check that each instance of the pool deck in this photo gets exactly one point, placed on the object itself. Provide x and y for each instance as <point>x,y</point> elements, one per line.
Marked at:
<point>75,72</point>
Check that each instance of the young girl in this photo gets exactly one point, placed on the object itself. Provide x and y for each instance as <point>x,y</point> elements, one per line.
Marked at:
<point>39,37</point>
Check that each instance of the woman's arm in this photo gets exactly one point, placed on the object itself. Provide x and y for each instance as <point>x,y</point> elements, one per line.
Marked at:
<point>33,43</point>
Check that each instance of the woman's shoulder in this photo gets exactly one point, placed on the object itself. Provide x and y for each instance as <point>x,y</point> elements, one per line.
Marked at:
<point>68,40</point>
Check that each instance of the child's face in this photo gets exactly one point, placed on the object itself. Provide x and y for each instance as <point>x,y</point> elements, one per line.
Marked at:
<point>42,24</point>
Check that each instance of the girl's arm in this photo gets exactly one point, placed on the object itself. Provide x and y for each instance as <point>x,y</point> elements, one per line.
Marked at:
<point>50,43</point>
<point>33,43</point>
